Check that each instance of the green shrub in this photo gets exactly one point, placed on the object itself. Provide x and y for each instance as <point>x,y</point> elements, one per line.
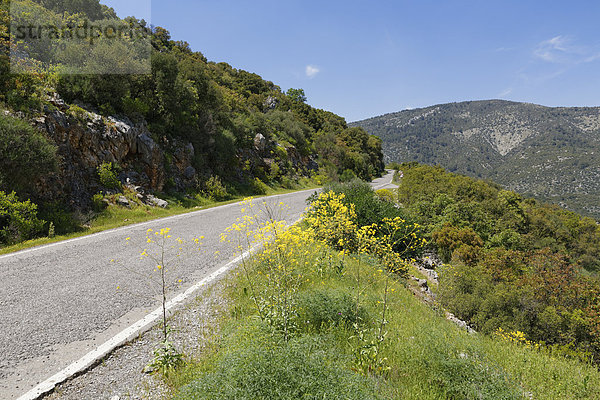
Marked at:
<point>468,377</point>
<point>215,190</point>
<point>170,185</point>
<point>320,178</point>
<point>18,219</point>
<point>200,200</point>
<point>274,171</point>
<point>98,203</point>
<point>78,113</point>
<point>26,154</point>
<point>299,369</point>
<point>393,165</point>
<point>320,309</point>
<point>386,195</point>
<point>287,182</point>
<point>369,208</point>
<point>348,176</point>
<point>259,187</point>
<point>107,173</point>
<point>304,182</point>
<point>63,219</point>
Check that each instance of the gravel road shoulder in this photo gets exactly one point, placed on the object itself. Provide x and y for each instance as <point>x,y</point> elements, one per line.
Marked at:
<point>120,376</point>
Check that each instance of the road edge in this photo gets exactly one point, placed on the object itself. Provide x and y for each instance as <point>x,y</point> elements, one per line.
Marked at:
<point>128,334</point>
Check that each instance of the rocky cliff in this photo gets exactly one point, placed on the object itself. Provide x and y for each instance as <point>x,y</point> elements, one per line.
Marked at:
<point>85,140</point>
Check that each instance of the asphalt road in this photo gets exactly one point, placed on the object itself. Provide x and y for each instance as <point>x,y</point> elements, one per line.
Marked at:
<point>60,301</point>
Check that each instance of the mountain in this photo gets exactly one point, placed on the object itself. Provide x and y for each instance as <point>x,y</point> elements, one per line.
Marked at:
<point>551,153</point>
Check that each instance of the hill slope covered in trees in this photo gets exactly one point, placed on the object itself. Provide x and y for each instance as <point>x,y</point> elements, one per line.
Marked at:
<point>549,153</point>
<point>511,263</point>
<point>189,125</point>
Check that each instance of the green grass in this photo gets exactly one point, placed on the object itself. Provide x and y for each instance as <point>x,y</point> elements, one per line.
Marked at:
<point>428,356</point>
<point>116,216</point>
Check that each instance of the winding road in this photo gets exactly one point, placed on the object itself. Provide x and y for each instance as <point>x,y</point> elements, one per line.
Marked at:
<point>59,302</point>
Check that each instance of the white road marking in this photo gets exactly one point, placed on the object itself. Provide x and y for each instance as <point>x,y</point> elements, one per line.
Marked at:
<point>126,335</point>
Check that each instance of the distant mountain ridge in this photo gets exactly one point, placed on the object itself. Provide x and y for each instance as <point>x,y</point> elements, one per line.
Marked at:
<point>552,153</point>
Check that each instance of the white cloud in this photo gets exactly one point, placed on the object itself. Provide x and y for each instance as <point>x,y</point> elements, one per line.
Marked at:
<point>562,50</point>
<point>505,92</point>
<point>312,71</point>
<point>553,50</point>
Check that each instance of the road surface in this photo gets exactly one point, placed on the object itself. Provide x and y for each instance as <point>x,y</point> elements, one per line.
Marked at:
<point>60,301</point>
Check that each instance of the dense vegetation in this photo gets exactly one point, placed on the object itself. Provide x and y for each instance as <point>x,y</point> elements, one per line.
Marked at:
<point>26,154</point>
<point>547,153</point>
<point>218,108</point>
<point>245,131</point>
<point>309,318</point>
<point>513,263</point>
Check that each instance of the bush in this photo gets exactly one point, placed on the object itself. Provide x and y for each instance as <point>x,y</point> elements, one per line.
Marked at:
<point>78,113</point>
<point>287,183</point>
<point>320,309</point>
<point>332,220</point>
<point>386,195</point>
<point>468,377</point>
<point>369,208</point>
<point>18,219</point>
<point>98,203</point>
<point>259,187</point>
<point>348,176</point>
<point>321,178</point>
<point>58,214</point>
<point>450,239</point>
<point>298,369</point>
<point>394,165</point>
<point>107,173</point>
<point>215,190</point>
<point>26,154</point>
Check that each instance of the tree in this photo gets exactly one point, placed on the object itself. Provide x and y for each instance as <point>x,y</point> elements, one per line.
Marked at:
<point>297,95</point>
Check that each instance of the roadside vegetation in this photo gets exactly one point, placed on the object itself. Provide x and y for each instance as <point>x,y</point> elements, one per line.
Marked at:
<point>324,311</point>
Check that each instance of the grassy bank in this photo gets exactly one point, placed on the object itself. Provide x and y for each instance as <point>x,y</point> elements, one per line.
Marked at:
<point>309,321</point>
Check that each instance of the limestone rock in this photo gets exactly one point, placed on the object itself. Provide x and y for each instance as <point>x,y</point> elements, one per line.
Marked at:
<point>123,202</point>
<point>57,101</point>
<point>155,201</point>
<point>271,103</point>
<point>260,142</point>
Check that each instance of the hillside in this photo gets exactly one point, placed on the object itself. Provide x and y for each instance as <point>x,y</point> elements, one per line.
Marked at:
<point>548,153</point>
<point>147,114</point>
<point>338,307</point>
<point>333,309</point>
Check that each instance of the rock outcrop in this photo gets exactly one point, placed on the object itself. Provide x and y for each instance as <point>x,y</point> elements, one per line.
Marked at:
<point>87,140</point>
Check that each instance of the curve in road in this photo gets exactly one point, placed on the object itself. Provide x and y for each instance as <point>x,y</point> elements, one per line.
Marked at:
<point>60,309</point>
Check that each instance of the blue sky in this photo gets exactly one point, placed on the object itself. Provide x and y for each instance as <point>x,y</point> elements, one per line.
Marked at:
<point>366,58</point>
